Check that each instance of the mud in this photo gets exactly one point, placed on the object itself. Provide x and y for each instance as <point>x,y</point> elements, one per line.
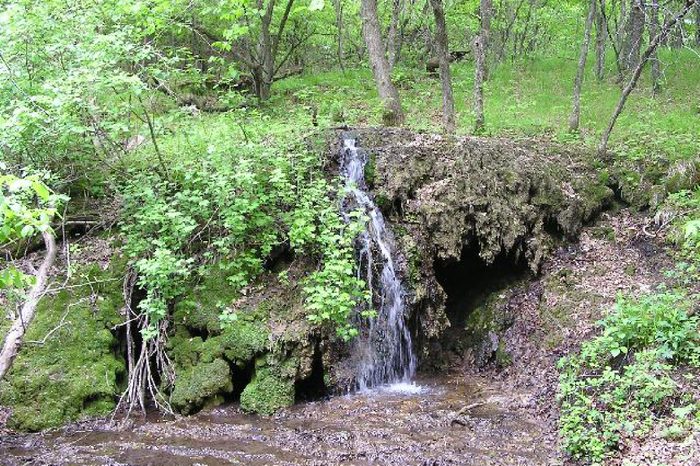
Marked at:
<point>452,421</point>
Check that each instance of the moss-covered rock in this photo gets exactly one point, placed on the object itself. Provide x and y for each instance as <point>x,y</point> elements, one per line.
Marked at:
<point>266,324</point>
<point>201,385</point>
<point>268,391</point>
<point>69,366</point>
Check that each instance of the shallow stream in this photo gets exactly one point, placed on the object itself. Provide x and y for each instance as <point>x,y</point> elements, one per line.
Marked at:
<point>438,421</point>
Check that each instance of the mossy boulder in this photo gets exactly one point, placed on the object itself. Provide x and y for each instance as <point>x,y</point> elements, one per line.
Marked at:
<point>268,391</point>
<point>200,385</point>
<point>69,366</point>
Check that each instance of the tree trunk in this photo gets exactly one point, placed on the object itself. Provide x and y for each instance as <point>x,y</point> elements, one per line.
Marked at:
<point>654,57</point>
<point>634,29</point>
<point>697,24</point>
<point>600,36</point>
<point>486,12</point>
<point>392,36</point>
<point>266,58</point>
<point>14,337</point>
<point>441,45</point>
<point>338,5</point>
<point>638,72</point>
<point>578,81</point>
<point>479,74</point>
<point>393,113</point>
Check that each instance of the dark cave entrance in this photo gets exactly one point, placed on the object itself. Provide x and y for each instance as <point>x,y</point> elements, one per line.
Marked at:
<point>314,386</point>
<point>471,285</point>
<point>241,376</point>
<point>469,281</point>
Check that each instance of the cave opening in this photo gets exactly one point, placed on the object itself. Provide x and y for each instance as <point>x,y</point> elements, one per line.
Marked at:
<point>241,376</point>
<point>312,387</point>
<point>469,281</point>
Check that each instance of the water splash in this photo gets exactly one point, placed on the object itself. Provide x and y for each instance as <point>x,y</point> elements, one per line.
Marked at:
<point>384,350</point>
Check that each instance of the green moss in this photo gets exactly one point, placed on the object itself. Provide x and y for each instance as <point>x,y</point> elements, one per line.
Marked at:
<point>268,391</point>
<point>201,308</point>
<point>371,170</point>
<point>503,358</point>
<point>67,369</point>
<point>201,385</point>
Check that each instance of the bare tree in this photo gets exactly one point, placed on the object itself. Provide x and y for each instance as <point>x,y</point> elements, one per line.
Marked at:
<point>578,81</point>
<point>601,34</point>
<point>480,67</point>
<point>638,71</point>
<point>443,55</point>
<point>393,113</point>
<point>654,58</point>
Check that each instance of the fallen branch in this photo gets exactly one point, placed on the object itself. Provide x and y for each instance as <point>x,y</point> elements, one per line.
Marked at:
<point>13,341</point>
<point>456,419</point>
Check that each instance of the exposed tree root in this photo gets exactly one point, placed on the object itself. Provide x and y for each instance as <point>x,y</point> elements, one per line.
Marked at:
<point>14,338</point>
<point>150,368</point>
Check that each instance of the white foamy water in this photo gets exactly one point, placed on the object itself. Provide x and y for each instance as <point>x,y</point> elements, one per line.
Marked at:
<point>384,349</point>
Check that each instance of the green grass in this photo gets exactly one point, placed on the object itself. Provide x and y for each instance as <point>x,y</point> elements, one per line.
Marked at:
<point>528,98</point>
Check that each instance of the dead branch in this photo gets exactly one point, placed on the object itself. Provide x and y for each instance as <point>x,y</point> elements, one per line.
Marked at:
<point>13,341</point>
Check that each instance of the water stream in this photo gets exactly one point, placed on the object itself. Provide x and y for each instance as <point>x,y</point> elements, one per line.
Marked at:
<point>384,350</point>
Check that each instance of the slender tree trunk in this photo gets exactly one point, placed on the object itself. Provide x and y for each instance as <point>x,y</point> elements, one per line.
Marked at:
<point>14,337</point>
<point>634,29</point>
<point>654,57</point>
<point>578,81</point>
<point>601,34</point>
<point>266,58</point>
<point>486,12</point>
<point>338,5</point>
<point>479,74</point>
<point>638,72</point>
<point>392,36</point>
<point>697,24</point>
<point>441,44</point>
<point>393,113</point>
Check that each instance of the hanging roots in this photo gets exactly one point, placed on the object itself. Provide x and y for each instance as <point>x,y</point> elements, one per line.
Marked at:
<point>148,362</point>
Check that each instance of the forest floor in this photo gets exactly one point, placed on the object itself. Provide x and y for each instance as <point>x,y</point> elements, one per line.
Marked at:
<point>494,417</point>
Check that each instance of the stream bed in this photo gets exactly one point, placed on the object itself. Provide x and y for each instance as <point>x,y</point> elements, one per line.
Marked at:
<point>439,421</point>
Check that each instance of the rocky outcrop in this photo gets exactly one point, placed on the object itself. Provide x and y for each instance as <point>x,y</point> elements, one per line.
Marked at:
<point>487,199</point>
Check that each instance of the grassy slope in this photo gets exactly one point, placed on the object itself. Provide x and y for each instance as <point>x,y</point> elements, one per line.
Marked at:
<point>528,98</point>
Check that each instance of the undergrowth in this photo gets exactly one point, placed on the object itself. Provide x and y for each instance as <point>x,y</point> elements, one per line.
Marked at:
<point>632,378</point>
<point>227,203</point>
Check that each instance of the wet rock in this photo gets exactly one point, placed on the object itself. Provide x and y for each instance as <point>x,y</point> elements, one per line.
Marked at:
<point>200,385</point>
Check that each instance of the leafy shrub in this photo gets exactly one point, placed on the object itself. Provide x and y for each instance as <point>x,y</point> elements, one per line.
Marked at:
<point>228,205</point>
<point>621,380</point>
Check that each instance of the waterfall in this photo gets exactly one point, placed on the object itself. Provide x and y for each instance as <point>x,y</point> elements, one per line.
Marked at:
<point>383,350</point>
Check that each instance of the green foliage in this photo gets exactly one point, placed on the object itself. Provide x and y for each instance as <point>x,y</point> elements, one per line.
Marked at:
<point>227,206</point>
<point>27,206</point>
<point>685,207</point>
<point>621,381</point>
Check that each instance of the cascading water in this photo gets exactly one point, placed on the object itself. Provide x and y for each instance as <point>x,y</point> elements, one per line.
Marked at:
<point>383,350</point>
